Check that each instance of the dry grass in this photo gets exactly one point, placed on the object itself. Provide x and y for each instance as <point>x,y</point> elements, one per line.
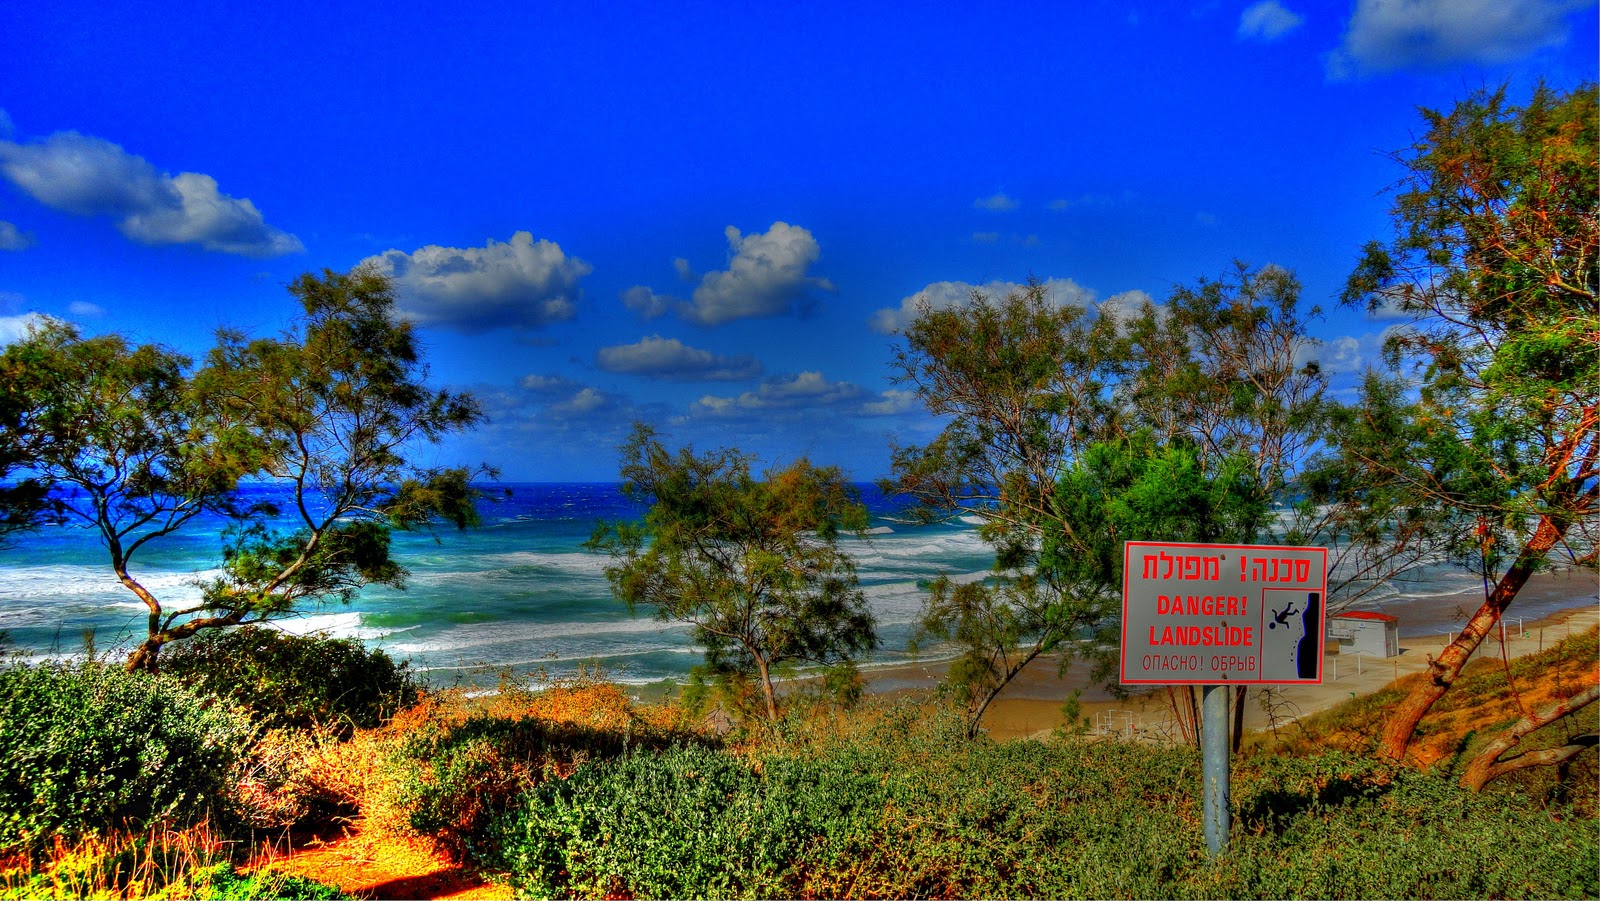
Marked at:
<point>1486,699</point>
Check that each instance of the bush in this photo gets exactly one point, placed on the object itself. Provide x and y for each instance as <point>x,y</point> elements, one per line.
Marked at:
<point>295,681</point>
<point>455,780</point>
<point>295,777</point>
<point>88,747</point>
<point>901,811</point>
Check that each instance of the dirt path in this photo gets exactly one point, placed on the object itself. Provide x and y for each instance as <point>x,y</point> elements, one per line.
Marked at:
<point>386,867</point>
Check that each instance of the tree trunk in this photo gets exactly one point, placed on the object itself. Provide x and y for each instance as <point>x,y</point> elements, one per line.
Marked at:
<point>975,717</point>
<point>1487,765</point>
<point>1402,724</point>
<point>146,656</point>
<point>766,687</point>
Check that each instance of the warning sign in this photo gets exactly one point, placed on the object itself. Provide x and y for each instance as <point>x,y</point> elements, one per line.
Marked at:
<point>1212,613</point>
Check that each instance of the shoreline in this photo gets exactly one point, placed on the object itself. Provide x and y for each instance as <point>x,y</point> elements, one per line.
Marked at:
<point>1550,607</point>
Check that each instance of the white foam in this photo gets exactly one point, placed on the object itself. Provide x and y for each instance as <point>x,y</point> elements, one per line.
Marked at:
<point>331,625</point>
<point>478,635</point>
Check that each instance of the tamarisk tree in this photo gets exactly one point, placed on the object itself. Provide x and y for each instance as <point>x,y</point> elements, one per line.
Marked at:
<point>753,566</point>
<point>137,446</point>
<point>1494,256</point>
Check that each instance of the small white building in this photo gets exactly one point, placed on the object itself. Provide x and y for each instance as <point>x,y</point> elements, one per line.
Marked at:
<point>1365,632</point>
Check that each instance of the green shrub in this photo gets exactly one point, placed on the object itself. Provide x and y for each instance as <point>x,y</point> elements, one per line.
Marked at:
<point>223,883</point>
<point>295,681</point>
<point>900,811</point>
<point>455,780</point>
<point>87,747</point>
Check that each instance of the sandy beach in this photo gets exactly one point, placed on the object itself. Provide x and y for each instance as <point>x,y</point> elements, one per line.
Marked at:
<point>1550,607</point>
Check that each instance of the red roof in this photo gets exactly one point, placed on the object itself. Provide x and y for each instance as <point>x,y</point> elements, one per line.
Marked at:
<point>1367,614</point>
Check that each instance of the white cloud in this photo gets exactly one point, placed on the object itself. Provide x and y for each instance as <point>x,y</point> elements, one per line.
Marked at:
<point>806,394</point>
<point>950,295</point>
<point>84,308</point>
<point>546,383</point>
<point>13,238</point>
<point>986,237</point>
<point>582,403</point>
<point>15,328</point>
<point>766,276</point>
<point>647,303</point>
<point>554,399</point>
<point>1127,305</point>
<point>1348,354</point>
<point>807,389</point>
<point>670,358</point>
<point>997,202</point>
<point>7,129</point>
<point>891,403</point>
<point>1389,306</point>
<point>1093,200</point>
<point>89,176</point>
<point>684,270</point>
<point>1386,35</point>
<point>521,283</point>
<point>1267,21</point>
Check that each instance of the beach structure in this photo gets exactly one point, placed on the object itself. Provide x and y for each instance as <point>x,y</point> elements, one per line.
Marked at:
<point>1365,632</point>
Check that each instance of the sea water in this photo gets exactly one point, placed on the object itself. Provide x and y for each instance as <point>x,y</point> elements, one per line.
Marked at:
<point>521,592</point>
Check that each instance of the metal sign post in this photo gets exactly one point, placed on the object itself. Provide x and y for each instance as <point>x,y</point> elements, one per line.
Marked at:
<point>1218,615</point>
<point>1214,765</point>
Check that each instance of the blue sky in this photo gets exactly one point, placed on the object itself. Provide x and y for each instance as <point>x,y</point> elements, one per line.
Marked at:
<point>709,216</point>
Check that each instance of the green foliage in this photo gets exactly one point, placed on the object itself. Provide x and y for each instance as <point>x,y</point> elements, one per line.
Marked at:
<point>140,444</point>
<point>909,810</point>
<point>454,780</point>
<point>1134,490</point>
<point>754,566</point>
<point>336,407</point>
<point>89,747</point>
<point>1497,235</point>
<point>295,681</point>
<point>1070,433</point>
<point>223,883</point>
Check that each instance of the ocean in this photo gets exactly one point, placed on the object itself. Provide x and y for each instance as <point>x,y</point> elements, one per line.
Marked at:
<point>520,591</point>
<point>517,592</point>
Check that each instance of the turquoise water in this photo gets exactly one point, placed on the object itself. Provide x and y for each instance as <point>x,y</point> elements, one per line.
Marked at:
<point>521,592</point>
<point>517,592</point>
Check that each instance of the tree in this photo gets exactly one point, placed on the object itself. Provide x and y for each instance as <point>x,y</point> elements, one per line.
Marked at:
<point>1494,255</point>
<point>333,409</point>
<point>1226,366</point>
<point>1021,379</point>
<point>121,440</point>
<point>140,447</point>
<point>1217,375</point>
<point>752,565</point>
<point>24,503</point>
